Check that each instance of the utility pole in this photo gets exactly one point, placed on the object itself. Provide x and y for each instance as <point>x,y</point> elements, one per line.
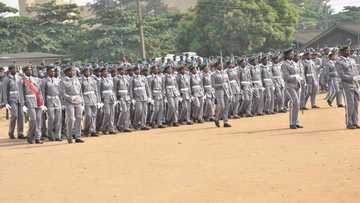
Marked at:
<point>141,29</point>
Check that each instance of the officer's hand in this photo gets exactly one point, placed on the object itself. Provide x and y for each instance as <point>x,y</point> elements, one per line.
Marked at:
<point>25,109</point>
<point>8,107</point>
<point>43,108</point>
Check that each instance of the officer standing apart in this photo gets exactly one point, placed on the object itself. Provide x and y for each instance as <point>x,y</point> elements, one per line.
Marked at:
<point>350,79</point>
<point>293,87</point>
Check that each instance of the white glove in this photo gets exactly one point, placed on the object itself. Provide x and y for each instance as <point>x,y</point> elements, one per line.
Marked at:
<point>356,78</point>
<point>63,107</point>
<point>25,109</point>
<point>133,101</point>
<point>43,108</point>
<point>180,99</point>
<point>100,105</point>
<point>8,107</point>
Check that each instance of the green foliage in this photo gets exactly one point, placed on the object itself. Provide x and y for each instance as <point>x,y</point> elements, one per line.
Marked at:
<point>350,13</point>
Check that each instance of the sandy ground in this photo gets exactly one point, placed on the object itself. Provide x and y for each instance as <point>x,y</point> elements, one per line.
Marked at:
<point>258,160</point>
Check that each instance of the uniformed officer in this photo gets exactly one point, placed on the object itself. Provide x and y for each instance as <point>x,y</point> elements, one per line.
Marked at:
<point>209,107</point>
<point>234,79</point>
<point>157,93</point>
<point>257,86</point>
<point>51,89</point>
<point>33,104</point>
<point>311,80</point>
<point>12,87</point>
<point>108,100</point>
<point>141,97</point>
<point>122,88</point>
<point>246,88</point>
<point>2,76</point>
<point>92,101</point>
<point>350,81</point>
<point>221,84</point>
<point>293,85</point>
<point>171,97</point>
<point>334,82</point>
<point>267,80</point>
<point>279,85</point>
<point>197,93</point>
<point>70,91</point>
<point>183,81</point>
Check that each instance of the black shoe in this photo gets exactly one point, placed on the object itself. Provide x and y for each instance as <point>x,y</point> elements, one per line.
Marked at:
<point>94,135</point>
<point>30,140</point>
<point>200,121</point>
<point>162,126</point>
<point>236,117</point>
<point>227,125</point>
<point>145,128</point>
<point>304,108</point>
<point>189,123</point>
<point>38,141</point>
<point>293,127</point>
<point>58,140</point>
<point>357,126</point>
<point>104,132</point>
<point>351,127</point>
<point>21,137</point>
<point>79,141</point>
<point>299,126</point>
<point>127,130</point>
<point>315,107</point>
<point>12,137</point>
<point>70,140</point>
<point>217,123</point>
<point>112,133</point>
<point>340,106</point>
<point>329,102</point>
<point>175,125</point>
<point>51,139</point>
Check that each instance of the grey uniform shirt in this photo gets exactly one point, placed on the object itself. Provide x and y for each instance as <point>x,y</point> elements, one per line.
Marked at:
<point>139,88</point>
<point>12,88</point>
<point>291,74</point>
<point>70,90</point>
<point>52,92</point>
<point>89,87</point>
<point>123,88</point>
<point>106,90</point>
<point>348,72</point>
<point>196,85</point>
<point>234,80</point>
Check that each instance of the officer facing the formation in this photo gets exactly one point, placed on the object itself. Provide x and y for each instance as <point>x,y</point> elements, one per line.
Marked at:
<point>12,87</point>
<point>292,83</point>
<point>70,91</point>
<point>51,89</point>
<point>350,81</point>
<point>334,82</point>
<point>221,84</point>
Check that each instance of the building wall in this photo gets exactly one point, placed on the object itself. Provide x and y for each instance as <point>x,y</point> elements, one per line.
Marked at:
<point>24,4</point>
<point>336,38</point>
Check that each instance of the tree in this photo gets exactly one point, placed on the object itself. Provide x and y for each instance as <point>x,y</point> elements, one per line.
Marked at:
<point>238,26</point>
<point>350,13</point>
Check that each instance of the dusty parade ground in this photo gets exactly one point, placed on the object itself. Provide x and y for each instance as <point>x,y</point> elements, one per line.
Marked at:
<point>258,160</point>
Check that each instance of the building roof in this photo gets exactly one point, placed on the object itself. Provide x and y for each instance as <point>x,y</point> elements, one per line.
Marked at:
<point>303,37</point>
<point>350,27</point>
<point>29,55</point>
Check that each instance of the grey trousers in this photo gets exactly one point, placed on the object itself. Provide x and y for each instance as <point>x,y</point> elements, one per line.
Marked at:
<point>73,114</point>
<point>35,121</point>
<point>246,103</point>
<point>54,123</point>
<point>198,108</point>
<point>172,113</point>
<point>312,90</point>
<point>269,99</point>
<point>235,104</point>
<point>90,119</point>
<point>222,106</point>
<point>209,109</point>
<point>303,93</point>
<point>108,117</point>
<point>334,92</point>
<point>258,101</point>
<point>124,115</point>
<point>279,98</point>
<point>294,106</point>
<point>140,114</point>
<point>351,98</point>
<point>157,112</point>
<point>185,110</point>
<point>16,119</point>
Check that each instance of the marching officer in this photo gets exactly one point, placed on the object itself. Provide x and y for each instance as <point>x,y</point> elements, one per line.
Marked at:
<point>197,93</point>
<point>108,102</point>
<point>246,88</point>
<point>122,87</point>
<point>221,84</point>
<point>279,85</point>
<point>311,80</point>
<point>233,75</point>
<point>209,91</point>
<point>183,81</point>
<point>157,93</point>
<point>334,82</point>
<point>171,97</point>
<point>292,83</point>
<point>266,75</point>
<point>258,96</point>
<point>51,91</point>
<point>70,91</point>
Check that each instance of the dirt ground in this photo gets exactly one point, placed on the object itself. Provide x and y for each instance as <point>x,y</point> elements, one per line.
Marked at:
<point>258,160</point>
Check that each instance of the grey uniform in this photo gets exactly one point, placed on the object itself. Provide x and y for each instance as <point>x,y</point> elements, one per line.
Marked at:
<point>53,104</point>
<point>157,92</point>
<point>107,95</point>
<point>70,91</point>
<point>32,103</point>
<point>89,87</point>
<point>279,86</point>
<point>99,112</point>
<point>221,84</point>
<point>209,91</point>
<point>268,84</point>
<point>140,95</point>
<point>235,88</point>
<point>12,87</point>
<point>349,75</point>
<point>197,93</point>
<point>304,86</point>
<point>246,88</point>
<point>185,94</point>
<point>334,84</point>
<point>293,85</point>
<point>122,88</point>
<point>311,81</point>
<point>172,94</point>
<point>258,90</point>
